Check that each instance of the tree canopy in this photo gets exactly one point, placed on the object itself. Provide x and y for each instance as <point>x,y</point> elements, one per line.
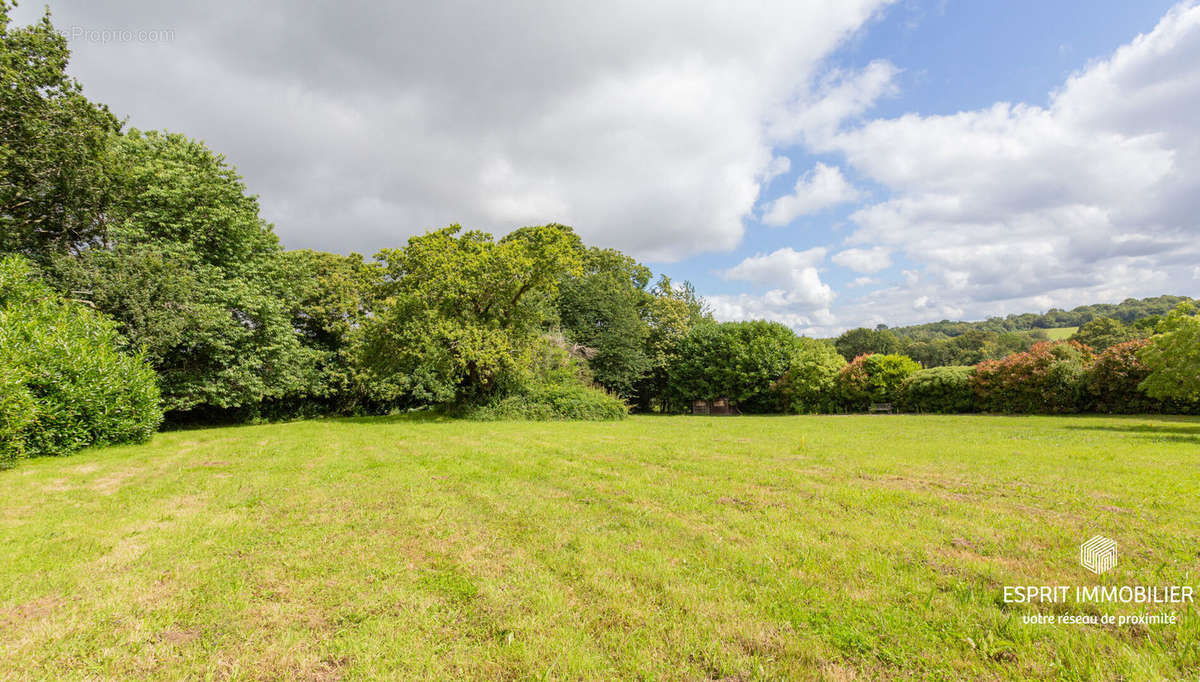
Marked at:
<point>1173,356</point>
<point>191,273</point>
<point>54,144</point>
<point>604,308</point>
<point>459,311</point>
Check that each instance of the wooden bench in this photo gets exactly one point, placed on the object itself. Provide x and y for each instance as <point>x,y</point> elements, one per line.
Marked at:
<point>881,408</point>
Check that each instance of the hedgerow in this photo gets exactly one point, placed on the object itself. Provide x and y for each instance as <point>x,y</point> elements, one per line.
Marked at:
<point>945,390</point>
<point>1047,379</point>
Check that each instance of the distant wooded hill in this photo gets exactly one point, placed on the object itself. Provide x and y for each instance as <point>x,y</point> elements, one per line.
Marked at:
<point>1128,311</point>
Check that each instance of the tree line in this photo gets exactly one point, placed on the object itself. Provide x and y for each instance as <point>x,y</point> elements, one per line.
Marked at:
<point>945,343</point>
<point>139,282</point>
<point>146,250</point>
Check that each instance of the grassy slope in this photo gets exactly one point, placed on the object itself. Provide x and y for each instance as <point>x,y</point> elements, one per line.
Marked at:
<point>675,548</point>
<point>1060,333</point>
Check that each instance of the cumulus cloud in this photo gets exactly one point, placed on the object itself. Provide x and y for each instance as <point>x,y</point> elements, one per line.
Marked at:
<point>1018,207</point>
<point>775,305</point>
<point>864,260</point>
<point>794,273</point>
<point>822,187</point>
<point>797,297</point>
<point>645,125</point>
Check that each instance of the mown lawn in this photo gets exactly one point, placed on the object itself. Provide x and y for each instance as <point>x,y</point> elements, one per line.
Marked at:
<point>656,548</point>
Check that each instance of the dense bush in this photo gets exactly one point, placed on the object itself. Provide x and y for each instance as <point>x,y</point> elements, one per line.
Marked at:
<point>1047,379</point>
<point>17,415</point>
<point>64,384</point>
<point>736,360</point>
<point>808,386</point>
<point>945,390</point>
<point>556,384</point>
<point>1112,382</point>
<point>873,379</point>
<point>550,402</point>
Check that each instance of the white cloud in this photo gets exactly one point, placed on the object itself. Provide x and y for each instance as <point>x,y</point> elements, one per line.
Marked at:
<point>645,125</point>
<point>774,306</point>
<point>797,297</point>
<point>1018,207</point>
<point>822,187</point>
<point>841,95</point>
<point>793,272</point>
<point>778,166</point>
<point>862,282</point>
<point>864,260</point>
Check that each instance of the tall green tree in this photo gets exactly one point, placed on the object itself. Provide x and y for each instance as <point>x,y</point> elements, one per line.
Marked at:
<point>330,297</point>
<point>1103,332</point>
<point>54,164</point>
<point>671,314</point>
<point>863,341</point>
<point>193,276</point>
<point>1173,356</point>
<point>604,309</point>
<point>460,312</point>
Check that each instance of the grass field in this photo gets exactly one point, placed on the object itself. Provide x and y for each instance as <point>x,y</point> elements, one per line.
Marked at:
<point>655,548</point>
<point>1060,333</point>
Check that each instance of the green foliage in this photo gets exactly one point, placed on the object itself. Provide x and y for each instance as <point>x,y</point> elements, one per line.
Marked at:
<point>550,402</point>
<point>53,146</point>
<point>1103,332</point>
<point>1112,382</point>
<point>557,385</point>
<point>968,348</point>
<point>1128,311</point>
<point>18,411</point>
<point>873,379</point>
<point>64,384</point>
<point>330,298</point>
<point>809,385</point>
<point>1047,379</point>
<point>602,309</point>
<point>193,277</point>
<point>671,314</point>
<point>863,341</point>
<point>1173,356</point>
<point>944,390</point>
<point>460,312</point>
<point>736,360</point>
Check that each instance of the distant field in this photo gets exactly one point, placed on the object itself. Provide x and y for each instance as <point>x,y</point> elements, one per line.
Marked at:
<point>668,548</point>
<point>1060,333</point>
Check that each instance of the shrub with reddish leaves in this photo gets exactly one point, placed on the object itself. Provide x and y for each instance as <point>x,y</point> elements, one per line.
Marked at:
<point>1046,379</point>
<point>1112,383</point>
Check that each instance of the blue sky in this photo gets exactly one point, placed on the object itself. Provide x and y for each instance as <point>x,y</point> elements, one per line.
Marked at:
<point>823,164</point>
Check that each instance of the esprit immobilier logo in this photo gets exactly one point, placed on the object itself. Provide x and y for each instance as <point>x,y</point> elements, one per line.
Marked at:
<point>1098,554</point>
